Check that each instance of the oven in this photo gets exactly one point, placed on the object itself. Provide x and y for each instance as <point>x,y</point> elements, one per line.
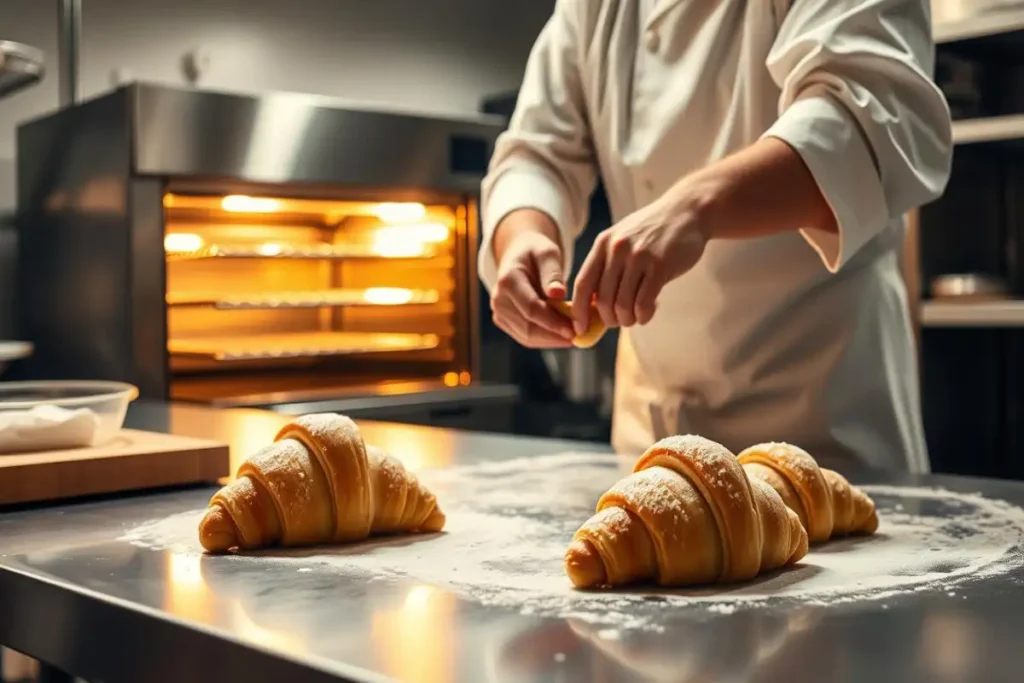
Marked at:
<point>278,251</point>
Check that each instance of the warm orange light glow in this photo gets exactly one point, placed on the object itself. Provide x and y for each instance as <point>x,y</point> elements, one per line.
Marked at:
<point>331,211</point>
<point>187,594</point>
<point>408,240</point>
<point>269,249</point>
<point>284,639</point>
<point>451,379</point>
<point>400,212</point>
<point>424,233</point>
<point>182,242</point>
<point>244,204</point>
<point>414,641</point>
<point>388,296</point>
<point>409,444</point>
<point>465,378</point>
<point>411,250</point>
<point>418,598</point>
<point>394,246</point>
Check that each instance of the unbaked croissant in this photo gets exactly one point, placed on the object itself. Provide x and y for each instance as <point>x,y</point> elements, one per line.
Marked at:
<point>826,503</point>
<point>595,330</point>
<point>687,515</point>
<point>317,483</point>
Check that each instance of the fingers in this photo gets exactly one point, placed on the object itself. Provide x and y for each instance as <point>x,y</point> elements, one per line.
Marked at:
<point>624,285</point>
<point>587,282</point>
<point>519,310</point>
<point>531,308</point>
<point>528,334</point>
<point>625,305</point>
<point>549,272</point>
<point>607,290</point>
<point>646,302</point>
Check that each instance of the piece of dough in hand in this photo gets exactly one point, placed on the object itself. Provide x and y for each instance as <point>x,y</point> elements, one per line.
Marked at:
<point>594,332</point>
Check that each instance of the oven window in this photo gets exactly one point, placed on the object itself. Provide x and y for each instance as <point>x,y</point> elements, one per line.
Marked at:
<point>271,295</point>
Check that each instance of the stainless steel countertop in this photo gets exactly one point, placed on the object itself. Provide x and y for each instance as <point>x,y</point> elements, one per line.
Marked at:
<point>72,595</point>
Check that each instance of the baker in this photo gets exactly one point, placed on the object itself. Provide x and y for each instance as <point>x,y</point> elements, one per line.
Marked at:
<point>759,157</point>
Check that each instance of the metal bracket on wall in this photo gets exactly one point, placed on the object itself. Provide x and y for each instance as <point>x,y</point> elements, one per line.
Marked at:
<point>69,20</point>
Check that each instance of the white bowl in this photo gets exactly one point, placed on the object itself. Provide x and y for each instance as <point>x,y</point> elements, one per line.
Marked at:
<point>53,415</point>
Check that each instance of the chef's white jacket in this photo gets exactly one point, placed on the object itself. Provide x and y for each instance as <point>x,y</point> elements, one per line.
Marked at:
<point>803,336</point>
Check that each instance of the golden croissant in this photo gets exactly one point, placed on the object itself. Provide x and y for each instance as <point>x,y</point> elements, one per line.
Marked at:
<point>317,483</point>
<point>824,500</point>
<point>686,515</point>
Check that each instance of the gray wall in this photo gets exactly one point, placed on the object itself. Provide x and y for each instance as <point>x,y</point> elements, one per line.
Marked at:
<point>431,55</point>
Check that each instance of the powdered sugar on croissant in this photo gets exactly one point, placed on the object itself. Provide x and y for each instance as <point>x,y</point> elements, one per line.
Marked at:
<point>317,483</point>
<point>687,515</point>
<point>827,504</point>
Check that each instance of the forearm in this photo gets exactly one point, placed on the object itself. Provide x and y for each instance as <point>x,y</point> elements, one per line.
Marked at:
<point>763,190</point>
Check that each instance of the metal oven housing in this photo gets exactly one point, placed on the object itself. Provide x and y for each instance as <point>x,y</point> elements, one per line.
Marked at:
<point>98,187</point>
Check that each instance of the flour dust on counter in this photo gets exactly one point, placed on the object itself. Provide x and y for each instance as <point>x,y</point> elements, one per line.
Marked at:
<point>509,524</point>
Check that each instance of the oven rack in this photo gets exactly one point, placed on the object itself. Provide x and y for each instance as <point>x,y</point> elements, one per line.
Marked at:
<point>323,252</point>
<point>324,298</point>
<point>299,345</point>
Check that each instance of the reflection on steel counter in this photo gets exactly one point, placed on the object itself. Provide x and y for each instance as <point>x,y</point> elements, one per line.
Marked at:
<point>713,649</point>
<point>411,631</point>
<point>708,648</point>
<point>243,250</point>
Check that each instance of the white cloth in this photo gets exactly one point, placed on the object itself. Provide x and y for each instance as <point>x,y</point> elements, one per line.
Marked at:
<point>804,336</point>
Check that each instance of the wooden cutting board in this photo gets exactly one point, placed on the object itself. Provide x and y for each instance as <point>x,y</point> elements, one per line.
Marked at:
<point>131,461</point>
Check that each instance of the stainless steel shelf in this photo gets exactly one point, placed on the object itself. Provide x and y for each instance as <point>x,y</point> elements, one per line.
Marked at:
<point>989,24</point>
<point>988,129</point>
<point>325,252</point>
<point>972,314</point>
<point>299,345</point>
<point>374,296</point>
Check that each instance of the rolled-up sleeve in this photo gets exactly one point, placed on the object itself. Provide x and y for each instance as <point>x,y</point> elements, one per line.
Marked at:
<point>545,159</point>
<point>859,106</point>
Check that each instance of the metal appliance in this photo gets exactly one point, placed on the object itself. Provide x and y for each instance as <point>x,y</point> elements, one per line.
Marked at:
<point>21,66</point>
<point>238,250</point>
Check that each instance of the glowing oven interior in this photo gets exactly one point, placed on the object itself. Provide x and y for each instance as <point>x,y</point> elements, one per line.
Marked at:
<point>292,298</point>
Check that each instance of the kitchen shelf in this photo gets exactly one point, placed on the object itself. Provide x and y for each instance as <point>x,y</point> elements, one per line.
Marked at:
<point>373,296</point>
<point>326,252</point>
<point>299,345</point>
<point>988,129</point>
<point>988,24</point>
<point>972,314</point>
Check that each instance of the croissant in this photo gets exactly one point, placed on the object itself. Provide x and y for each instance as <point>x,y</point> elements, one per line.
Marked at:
<point>824,500</point>
<point>686,515</point>
<point>318,482</point>
<point>594,331</point>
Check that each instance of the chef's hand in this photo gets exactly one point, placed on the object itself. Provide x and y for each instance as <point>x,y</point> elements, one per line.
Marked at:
<point>634,259</point>
<point>526,248</point>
